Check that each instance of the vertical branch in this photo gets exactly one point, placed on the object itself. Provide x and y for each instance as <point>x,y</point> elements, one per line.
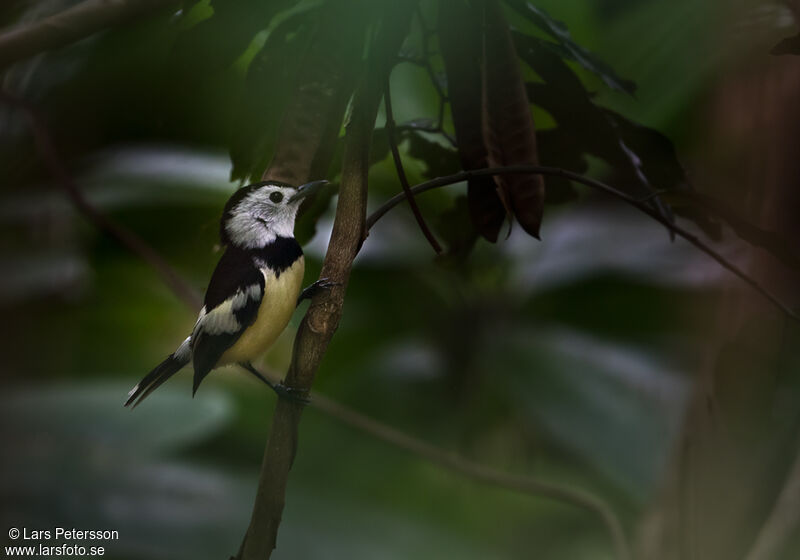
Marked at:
<point>391,133</point>
<point>312,340</point>
<point>322,318</point>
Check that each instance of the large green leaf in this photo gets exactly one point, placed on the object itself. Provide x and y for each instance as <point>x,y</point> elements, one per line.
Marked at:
<point>217,41</point>
<point>642,160</point>
<point>617,407</point>
<point>267,90</point>
<point>80,459</point>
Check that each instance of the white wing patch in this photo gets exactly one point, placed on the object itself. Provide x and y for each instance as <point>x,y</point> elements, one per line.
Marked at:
<point>222,319</point>
<point>184,351</point>
<point>241,297</point>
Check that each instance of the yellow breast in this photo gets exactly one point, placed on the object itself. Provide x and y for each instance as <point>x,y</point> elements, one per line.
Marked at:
<point>277,306</point>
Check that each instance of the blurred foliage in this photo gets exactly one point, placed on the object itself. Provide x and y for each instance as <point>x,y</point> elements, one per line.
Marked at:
<point>569,360</point>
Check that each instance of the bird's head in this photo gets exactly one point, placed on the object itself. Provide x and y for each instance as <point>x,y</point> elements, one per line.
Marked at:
<point>256,214</point>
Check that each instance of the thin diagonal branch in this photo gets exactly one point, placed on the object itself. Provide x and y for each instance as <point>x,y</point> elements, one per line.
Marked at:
<point>641,206</point>
<point>416,126</point>
<point>775,244</point>
<point>73,24</point>
<point>427,34</point>
<point>401,174</point>
<point>425,63</point>
<point>481,473</point>
<point>101,221</point>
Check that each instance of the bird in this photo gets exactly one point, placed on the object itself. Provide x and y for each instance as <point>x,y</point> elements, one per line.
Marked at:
<point>253,290</point>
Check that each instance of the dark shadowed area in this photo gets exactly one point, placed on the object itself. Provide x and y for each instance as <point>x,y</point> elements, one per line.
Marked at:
<point>611,358</point>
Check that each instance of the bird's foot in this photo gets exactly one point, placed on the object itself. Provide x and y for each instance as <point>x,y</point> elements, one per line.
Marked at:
<point>284,392</point>
<point>297,396</point>
<point>317,287</point>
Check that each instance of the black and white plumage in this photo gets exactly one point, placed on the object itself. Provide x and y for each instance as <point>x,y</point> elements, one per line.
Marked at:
<point>253,290</point>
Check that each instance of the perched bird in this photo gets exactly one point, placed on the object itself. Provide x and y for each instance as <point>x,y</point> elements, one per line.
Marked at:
<point>254,288</point>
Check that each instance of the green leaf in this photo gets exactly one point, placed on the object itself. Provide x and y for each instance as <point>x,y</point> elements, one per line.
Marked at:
<point>655,163</point>
<point>568,48</point>
<point>439,160</point>
<point>78,454</point>
<point>92,415</point>
<point>267,91</point>
<point>216,42</point>
<point>616,406</point>
<point>643,161</point>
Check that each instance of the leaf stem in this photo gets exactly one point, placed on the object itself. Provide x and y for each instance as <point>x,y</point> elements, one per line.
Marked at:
<point>401,174</point>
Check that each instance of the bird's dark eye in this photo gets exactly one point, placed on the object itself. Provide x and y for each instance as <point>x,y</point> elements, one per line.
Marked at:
<point>276,197</point>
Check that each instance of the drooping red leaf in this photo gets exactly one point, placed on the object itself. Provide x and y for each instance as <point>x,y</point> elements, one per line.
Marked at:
<point>460,45</point>
<point>509,132</point>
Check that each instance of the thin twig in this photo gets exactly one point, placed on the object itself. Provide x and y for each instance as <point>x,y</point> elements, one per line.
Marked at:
<point>655,194</point>
<point>771,241</point>
<point>427,34</point>
<point>443,98</point>
<point>123,235</point>
<point>557,172</point>
<point>401,174</point>
<point>425,63</point>
<point>414,126</point>
<point>73,24</point>
<point>481,473</point>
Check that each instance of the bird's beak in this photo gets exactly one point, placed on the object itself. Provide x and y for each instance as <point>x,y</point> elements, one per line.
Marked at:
<point>306,190</point>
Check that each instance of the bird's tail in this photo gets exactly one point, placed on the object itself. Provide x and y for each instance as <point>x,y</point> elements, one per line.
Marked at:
<point>160,374</point>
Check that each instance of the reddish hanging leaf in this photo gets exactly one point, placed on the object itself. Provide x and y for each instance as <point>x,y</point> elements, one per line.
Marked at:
<point>460,45</point>
<point>509,131</point>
